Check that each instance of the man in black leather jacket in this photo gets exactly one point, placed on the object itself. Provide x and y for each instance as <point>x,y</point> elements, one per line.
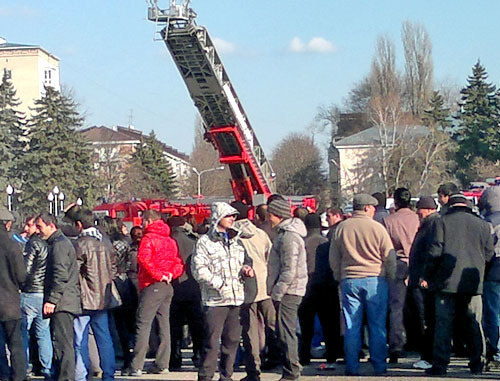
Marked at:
<point>61,300</point>
<point>35,259</point>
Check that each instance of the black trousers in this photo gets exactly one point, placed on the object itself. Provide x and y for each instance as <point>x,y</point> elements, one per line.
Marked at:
<point>222,324</point>
<point>426,310</point>
<point>13,337</point>
<point>154,301</point>
<point>182,312</point>
<point>286,326</point>
<point>255,317</point>
<point>397,298</point>
<point>63,362</point>
<point>323,300</point>
<point>447,307</point>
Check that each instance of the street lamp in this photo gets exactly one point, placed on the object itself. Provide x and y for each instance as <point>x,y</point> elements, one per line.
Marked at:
<point>199,173</point>
<point>61,199</point>
<point>56,195</point>
<point>79,201</point>
<point>50,197</point>
<point>10,192</point>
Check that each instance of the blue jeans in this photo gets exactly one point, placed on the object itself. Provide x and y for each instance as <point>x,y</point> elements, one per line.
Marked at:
<point>31,308</point>
<point>98,320</point>
<point>370,295</point>
<point>491,311</point>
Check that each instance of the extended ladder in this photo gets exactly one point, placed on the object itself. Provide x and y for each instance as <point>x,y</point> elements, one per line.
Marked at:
<point>208,84</point>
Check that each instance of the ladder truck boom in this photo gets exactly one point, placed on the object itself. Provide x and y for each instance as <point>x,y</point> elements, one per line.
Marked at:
<point>224,118</point>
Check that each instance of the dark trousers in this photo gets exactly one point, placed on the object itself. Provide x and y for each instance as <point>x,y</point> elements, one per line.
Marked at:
<point>222,325</point>
<point>397,297</point>
<point>447,307</point>
<point>321,299</point>
<point>124,319</point>
<point>286,326</point>
<point>63,362</point>
<point>254,317</point>
<point>154,301</point>
<point>13,338</point>
<point>182,312</point>
<point>426,310</point>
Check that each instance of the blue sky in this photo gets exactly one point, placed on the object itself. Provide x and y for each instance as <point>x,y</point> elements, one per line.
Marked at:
<point>284,57</point>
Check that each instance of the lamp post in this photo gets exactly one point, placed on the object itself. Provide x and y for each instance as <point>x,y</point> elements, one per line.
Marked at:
<point>79,201</point>
<point>199,173</point>
<point>50,197</point>
<point>10,192</point>
<point>61,201</point>
<point>56,195</point>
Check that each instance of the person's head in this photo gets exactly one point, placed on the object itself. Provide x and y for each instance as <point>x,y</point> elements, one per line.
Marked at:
<point>30,226</point>
<point>312,221</point>
<point>277,211</point>
<point>176,221</point>
<point>136,234</point>
<point>301,213</point>
<point>363,202</point>
<point>261,212</point>
<point>334,215</point>
<point>402,198</point>
<point>46,224</point>
<point>445,191</point>
<point>241,208</point>
<point>275,196</point>
<point>83,219</point>
<point>222,216</point>
<point>6,218</point>
<point>150,216</point>
<point>426,206</point>
<point>457,200</point>
<point>381,198</point>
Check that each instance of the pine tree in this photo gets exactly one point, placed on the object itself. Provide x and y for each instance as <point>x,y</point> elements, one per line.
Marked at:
<point>57,155</point>
<point>437,115</point>
<point>158,177</point>
<point>12,134</point>
<point>478,135</point>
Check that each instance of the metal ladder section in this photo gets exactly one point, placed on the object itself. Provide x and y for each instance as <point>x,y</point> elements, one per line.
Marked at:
<point>213,94</point>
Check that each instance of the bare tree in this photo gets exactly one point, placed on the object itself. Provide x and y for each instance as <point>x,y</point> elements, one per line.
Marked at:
<point>419,67</point>
<point>384,77</point>
<point>358,99</point>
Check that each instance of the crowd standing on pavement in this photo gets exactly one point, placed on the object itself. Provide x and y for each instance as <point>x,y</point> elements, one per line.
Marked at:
<point>256,291</point>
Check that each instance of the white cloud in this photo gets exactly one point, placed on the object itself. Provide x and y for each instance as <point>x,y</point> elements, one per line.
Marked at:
<point>315,45</point>
<point>224,46</point>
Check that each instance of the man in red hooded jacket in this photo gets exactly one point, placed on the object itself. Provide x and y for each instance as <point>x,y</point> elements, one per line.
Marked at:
<point>159,263</point>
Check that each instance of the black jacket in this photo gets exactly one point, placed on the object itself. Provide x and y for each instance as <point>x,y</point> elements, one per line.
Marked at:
<point>185,287</point>
<point>12,275</point>
<point>419,253</point>
<point>493,267</point>
<point>61,285</point>
<point>462,244</point>
<point>35,259</point>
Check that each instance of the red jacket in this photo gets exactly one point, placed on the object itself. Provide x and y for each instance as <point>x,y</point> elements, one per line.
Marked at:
<point>158,255</point>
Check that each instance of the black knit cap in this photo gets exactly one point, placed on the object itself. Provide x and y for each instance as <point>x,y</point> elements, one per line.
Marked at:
<point>426,202</point>
<point>457,198</point>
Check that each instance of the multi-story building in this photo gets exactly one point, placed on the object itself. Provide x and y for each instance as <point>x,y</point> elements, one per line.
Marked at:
<point>30,68</point>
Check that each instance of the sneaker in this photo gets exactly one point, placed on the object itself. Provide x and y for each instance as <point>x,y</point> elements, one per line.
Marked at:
<point>422,364</point>
<point>155,369</point>
<point>135,372</point>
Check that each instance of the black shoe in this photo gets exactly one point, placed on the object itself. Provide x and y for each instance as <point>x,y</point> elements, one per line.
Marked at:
<point>155,369</point>
<point>270,365</point>
<point>393,358</point>
<point>435,371</point>
<point>477,368</point>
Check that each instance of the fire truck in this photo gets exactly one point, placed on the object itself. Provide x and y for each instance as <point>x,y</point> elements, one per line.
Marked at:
<point>225,122</point>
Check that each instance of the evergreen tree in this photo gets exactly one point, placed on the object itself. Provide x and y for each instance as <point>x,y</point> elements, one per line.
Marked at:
<point>57,155</point>
<point>158,178</point>
<point>12,134</point>
<point>437,115</point>
<point>478,135</point>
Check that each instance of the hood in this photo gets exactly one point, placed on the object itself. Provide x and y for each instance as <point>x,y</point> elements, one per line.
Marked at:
<point>246,227</point>
<point>218,211</point>
<point>294,225</point>
<point>158,227</point>
<point>490,200</point>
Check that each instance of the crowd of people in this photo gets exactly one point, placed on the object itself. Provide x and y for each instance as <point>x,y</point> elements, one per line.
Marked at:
<point>251,285</point>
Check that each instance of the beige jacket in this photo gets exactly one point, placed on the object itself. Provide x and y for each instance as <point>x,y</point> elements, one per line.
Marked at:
<point>360,248</point>
<point>258,246</point>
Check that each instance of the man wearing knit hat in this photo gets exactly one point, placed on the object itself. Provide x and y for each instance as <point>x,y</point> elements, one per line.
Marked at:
<point>363,259</point>
<point>287,280</point>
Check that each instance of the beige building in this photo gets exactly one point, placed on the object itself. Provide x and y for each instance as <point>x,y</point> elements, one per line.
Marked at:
<point>30,68</point>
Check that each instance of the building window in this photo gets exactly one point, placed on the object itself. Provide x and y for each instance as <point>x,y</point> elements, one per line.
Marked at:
<point>7,73</point>
<point>48,77</point>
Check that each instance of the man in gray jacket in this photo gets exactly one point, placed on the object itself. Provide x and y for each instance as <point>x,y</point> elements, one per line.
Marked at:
<point>287,280</point>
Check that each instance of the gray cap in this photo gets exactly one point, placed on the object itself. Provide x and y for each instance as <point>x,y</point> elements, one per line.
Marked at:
<point>5,215</point>
<point>363,199</point>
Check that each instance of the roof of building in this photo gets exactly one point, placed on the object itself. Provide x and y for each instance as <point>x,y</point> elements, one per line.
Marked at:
<point>4,45</point>
<point>122,134</point>
<point>371,136</point>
